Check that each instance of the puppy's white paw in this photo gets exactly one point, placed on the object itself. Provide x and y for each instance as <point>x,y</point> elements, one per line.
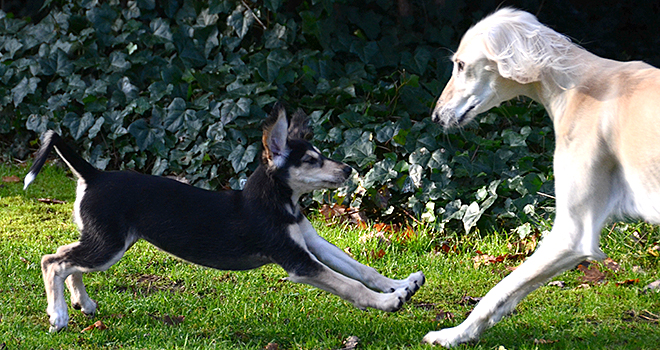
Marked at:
<point>59,319</point>
<point>394,301</point>
<point>416,280</point>
<point>87,306</point>
<point>448,337</point>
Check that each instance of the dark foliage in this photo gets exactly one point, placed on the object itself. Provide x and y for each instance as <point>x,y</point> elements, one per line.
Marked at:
<point>182,86</point>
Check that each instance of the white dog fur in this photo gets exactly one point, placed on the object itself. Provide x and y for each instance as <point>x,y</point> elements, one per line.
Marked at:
<point>606,117</point>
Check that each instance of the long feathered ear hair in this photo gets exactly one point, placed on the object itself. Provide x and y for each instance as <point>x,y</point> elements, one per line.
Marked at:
<point>524,49</point>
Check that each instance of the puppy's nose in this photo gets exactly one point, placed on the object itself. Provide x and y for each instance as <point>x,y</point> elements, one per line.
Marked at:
<point>347,171</point>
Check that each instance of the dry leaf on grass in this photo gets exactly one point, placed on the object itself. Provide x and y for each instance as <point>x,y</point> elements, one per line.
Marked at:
<point>272,346</point>
<point>643,316</point>
<point>468,300</point>
<point>352,215</point>
<point>544,341</point>
<point>612,265</point>
<point>12,179</point>
<point>97,325</point>
<point>485,259</point>
<point>627,282</point>
<point>591,273</point>
<point>50,201</point>
<point>444,315</point>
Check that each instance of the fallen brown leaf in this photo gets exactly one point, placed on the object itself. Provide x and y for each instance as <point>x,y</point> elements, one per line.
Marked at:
<point>377,254</point>
<point>97,325</point>
<point>627,282</point>
<point>591,273</point>
<point>468,300</point>
<point>12,178</point>
<point>612,265</point>
<point>272,346</point>
<point>444,315</point>
<point>50,201</point>
<point>544,341</point>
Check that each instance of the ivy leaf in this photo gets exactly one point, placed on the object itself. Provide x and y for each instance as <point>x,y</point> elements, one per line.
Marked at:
<point>382,172</point>
<point>276,60</point>
<point>102,17</point>
<point>240,157</point>
<point>37,123</point>
<point>144,134</point>
<point>161,29</point>
<point>77,125</point>
<point>273,5</point>
<point>232,109</point>
<point>23,88</point>
<point>361,151</point>
<point>241,20</point>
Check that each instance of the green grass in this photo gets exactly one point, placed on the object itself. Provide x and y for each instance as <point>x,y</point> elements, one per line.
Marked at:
<point>249,310</point>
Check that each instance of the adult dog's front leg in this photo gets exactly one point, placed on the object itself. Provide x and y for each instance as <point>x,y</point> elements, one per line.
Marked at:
<point>549,260</point>
<point>339,261</point>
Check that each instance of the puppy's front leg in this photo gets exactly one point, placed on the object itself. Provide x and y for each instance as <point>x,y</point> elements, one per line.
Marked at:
<point>351,290</point>
<point>339,261</point>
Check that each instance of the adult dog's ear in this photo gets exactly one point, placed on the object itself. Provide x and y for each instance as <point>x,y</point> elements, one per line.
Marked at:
<point>274,137</point>
<point>299,126</point>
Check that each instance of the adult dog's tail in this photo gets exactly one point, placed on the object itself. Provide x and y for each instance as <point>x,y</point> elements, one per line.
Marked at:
<point>80,167</point>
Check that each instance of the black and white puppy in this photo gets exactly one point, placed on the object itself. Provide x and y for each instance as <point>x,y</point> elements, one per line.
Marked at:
<point>228,230</point>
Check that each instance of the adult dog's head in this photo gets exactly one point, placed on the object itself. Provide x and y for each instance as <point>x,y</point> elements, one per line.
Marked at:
<point>495,61</point>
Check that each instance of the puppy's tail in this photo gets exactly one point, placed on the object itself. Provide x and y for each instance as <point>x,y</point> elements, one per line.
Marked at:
<point>80,167</point>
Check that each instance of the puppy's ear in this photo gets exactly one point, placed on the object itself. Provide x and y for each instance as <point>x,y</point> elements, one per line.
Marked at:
<point>274,137</point>
<point>299,127</point>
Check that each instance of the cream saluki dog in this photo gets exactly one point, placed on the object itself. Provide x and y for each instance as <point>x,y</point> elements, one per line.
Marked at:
<point>606,116</point>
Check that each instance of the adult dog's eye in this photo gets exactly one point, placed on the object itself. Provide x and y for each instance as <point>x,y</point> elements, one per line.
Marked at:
<point>460,65</point>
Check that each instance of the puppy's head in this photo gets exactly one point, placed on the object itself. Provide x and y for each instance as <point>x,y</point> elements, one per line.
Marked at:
<point>289,156</point>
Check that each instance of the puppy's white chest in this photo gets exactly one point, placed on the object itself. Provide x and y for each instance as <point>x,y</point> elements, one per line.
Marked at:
<point>296,233</point>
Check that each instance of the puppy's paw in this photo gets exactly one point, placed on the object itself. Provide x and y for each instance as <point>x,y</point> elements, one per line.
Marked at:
<point>416,281</point>
<point>396,300</point>
<point>58,320</point>
<point>88,307</point>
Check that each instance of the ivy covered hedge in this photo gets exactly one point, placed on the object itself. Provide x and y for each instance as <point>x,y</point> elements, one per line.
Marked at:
<point>181,87</point>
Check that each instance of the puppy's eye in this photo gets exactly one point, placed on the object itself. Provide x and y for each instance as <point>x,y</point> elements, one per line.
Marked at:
<point>460,66</point>
<point>310,160</point>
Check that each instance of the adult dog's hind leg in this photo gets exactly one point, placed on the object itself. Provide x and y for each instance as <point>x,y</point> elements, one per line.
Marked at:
<point>339,261</point>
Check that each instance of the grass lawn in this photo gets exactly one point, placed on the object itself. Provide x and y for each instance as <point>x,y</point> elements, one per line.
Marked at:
<point>150,300</point>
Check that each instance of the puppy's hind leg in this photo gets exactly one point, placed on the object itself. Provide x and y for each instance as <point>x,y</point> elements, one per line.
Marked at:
<point>69,262</point>
<point>80,300</point>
